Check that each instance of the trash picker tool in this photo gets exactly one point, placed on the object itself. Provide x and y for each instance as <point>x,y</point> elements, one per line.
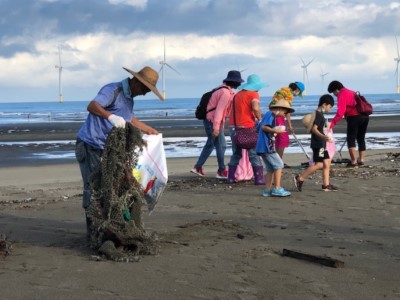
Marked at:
<point>341,148</point>
<point>310,161</point>
<point>341,160</point>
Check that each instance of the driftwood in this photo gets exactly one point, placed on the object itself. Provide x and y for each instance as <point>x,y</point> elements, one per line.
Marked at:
<point>323,260</point>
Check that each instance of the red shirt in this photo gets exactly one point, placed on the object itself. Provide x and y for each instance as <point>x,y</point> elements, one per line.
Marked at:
<point>346,106</point>
<point>243,109</point>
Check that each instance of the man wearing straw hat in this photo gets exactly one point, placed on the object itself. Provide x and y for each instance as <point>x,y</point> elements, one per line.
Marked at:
<point>112,107</point>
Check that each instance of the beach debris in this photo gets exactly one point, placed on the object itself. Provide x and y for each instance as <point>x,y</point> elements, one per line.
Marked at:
<point>5,245</point>
<point>322,260</point>
<point>115,217</point>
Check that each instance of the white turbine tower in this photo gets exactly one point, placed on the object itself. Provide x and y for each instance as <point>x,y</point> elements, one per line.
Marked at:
<point>163,64</point>
<point>60,68</point>
<point>397,60</point>
<point>305,73</point>
<point>323,79</point>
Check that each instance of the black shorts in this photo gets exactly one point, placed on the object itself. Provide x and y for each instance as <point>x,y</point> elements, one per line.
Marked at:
<point>320,154</point>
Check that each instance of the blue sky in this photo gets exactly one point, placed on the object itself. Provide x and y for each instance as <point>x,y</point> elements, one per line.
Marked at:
<point>352,41</point>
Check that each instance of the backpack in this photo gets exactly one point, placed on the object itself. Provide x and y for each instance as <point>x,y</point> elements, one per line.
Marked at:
<point>201,109</point>
<point>362,104</point>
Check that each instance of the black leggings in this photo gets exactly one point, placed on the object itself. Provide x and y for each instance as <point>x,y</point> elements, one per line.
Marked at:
<point>356,129</point>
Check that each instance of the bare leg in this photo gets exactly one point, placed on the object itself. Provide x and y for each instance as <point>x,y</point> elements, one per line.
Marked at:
<point>280,151</point>
<point>268,181</point>
<point>361,156</point>
<point>325,171</point>
<point>353,157</point>
<point>310,170</point>
<point>277,178</point>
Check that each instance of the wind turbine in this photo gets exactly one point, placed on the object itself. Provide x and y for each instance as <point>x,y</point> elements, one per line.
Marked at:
<point>305,73</point>
<point>60,68</point>
<point>397,60</point>
<point>163,64</point>
<point>322,79</point>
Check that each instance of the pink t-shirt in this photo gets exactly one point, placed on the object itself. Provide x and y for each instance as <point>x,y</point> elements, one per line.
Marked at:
<point>222,100</point>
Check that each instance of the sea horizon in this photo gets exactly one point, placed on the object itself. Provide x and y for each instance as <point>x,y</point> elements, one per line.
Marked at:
<point>75,111</point>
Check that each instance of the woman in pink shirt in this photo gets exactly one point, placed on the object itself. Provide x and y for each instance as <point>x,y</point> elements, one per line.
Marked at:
<point>357,123</point>
<point>218,109</point>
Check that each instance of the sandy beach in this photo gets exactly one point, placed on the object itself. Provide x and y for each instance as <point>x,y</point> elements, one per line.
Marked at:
<point>217,241</point>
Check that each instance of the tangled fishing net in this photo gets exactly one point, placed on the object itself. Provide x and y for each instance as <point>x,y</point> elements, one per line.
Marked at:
<point>115,214</point>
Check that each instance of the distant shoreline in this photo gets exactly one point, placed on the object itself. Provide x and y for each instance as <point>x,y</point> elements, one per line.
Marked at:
<point>169,127</point>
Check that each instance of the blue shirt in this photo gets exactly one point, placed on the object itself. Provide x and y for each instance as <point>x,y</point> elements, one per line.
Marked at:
<point>94,130</point>
<point>265,140</point>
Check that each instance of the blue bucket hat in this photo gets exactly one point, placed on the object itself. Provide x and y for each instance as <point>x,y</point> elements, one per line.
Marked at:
<point>234,76</point>
<point>253,83</point>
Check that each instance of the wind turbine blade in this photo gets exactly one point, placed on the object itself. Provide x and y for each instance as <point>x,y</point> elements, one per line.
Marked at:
<point>302,61</point>
<point>162,66</point>
<point>169,66</point>
<point>310,62</point>
<point>397,44</point>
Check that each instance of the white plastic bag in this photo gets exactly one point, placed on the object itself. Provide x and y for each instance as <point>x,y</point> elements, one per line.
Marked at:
<point>151,170</point>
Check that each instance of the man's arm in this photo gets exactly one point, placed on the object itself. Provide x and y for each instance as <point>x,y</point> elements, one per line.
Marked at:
<point>143,127</point>
<point>97,110</point>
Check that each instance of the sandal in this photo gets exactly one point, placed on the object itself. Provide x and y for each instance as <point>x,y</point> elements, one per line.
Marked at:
<point>351,165</point>
<point>360,163</point>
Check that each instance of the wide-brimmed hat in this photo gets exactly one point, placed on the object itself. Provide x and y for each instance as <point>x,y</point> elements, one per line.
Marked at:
<point>308,121</point>
<point>282,104</point>
<point>148,77</point>
<point>234,76</point>
<point>253,83</point>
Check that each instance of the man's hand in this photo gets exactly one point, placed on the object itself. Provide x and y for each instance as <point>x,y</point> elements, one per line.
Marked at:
<point>117,121</point>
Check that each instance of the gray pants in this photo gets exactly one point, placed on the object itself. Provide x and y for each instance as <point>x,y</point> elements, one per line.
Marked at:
<point>89,159</point>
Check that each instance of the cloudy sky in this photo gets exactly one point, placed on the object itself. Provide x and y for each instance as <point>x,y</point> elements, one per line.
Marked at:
<point>351,40</point>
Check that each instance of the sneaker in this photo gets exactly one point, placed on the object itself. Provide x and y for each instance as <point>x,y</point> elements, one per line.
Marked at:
<point>198,171</point>
<point>298,183</point>
<point>329,188</point>
<point>351,165</point>
<point>266,193</point>
<point>222,174</point>
<point>281,192</point>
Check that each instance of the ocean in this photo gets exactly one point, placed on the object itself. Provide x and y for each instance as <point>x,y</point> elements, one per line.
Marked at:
<point>182,109</point>
<point>75,111</point>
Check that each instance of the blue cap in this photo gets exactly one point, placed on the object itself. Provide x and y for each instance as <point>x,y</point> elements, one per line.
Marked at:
<point>300,85</point>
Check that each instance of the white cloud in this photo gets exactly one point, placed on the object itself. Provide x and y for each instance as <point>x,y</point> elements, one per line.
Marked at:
<point>141,4</point>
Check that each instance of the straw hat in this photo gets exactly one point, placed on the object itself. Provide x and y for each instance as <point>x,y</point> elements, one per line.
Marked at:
<point>148,77</point>
<point>308,121</point>
<point>282,104</point>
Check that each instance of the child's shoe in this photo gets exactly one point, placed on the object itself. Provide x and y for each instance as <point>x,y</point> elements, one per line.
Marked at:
<point>281,192</point>
<point>298,183</point>
<point>329,188</point>
<point>266,193</point>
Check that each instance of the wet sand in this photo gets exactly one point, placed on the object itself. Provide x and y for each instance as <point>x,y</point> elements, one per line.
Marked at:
<point>217,241</point>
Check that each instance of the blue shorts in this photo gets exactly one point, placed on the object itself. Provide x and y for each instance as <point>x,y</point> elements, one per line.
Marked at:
<point>272,161</point>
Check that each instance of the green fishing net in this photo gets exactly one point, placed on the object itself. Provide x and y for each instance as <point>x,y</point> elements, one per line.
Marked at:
<point>115,210</point>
